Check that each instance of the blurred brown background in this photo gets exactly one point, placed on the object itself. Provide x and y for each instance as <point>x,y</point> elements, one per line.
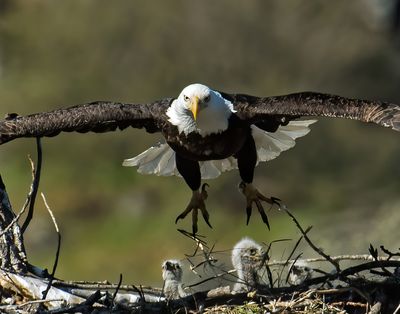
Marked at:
<point>343,178</point>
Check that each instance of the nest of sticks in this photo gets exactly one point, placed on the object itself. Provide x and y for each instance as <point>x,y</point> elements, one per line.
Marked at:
<point>371,284</point>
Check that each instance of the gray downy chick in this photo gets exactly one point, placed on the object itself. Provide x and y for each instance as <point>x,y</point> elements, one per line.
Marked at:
<point>172,276</point>
<point>247,257</point>
<point>299,273</point>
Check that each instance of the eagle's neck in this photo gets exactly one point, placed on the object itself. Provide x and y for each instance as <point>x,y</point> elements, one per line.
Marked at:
<point>181,117</point>
<point>212,119</point>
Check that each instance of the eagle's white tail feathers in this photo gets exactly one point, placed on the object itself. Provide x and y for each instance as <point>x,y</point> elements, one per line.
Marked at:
<point>208,170</point>
<point>211,169</point>
<point>160,159</point>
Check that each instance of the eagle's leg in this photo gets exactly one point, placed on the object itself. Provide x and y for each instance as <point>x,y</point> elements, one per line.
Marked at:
<point>190,171</point>
<point>247,159</point>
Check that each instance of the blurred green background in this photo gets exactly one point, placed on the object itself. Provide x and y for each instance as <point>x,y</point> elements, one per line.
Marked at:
<point>343,178</point>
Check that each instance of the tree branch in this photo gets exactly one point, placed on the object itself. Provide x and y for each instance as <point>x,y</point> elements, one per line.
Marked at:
<point>35,186</point>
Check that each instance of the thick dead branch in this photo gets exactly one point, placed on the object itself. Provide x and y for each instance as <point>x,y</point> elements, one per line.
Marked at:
<point>16,218</point>
<point>86,306</point>
<point>355,257</point>
<point>12,250</point>
<point>32,288</point>
<point>360,293</point>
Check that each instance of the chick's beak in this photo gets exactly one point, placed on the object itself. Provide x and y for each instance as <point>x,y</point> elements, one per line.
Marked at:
<point>195,106</point>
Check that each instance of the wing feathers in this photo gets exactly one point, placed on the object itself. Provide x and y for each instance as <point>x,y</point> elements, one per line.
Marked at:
<point>270,145</point>
<point>93,117</point>
<point>388,116</point>
<point>316,104</point>
<point>268,113</point>
<point>160,159</point>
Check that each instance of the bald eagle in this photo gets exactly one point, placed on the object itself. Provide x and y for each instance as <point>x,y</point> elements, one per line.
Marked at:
<point>206,132</point>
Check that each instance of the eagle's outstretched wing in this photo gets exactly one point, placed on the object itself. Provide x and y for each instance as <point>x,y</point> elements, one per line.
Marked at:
<point>288,107</point>
<point>93,117</point>
<point>267,113</point>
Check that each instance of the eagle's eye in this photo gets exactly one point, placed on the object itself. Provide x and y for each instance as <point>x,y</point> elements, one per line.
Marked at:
<point>207,98</point>
<point>185,98</point>
<point>253,252</point>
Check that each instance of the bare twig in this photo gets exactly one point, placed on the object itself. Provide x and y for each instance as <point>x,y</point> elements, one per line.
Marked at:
<point>200,245</point>
<point>117,289</point>
<point>291,267</point>
<point>389,253</point>
<point>374,252</point>
<point>89,285</point>
<point>17,306</point>
<point>27,200</point>
<point>211,259</point>
<point>265,264</point>
<point>369,265</point>
<point>35,186</point>
<point>195,238</point>
<point>140,292</point>
<point>12,223</point>
<point>350,271</point>
<point>208,260</point>
<point>290,256</point>
<point>364,257</point>
<point>213,277</point>
<point>397,310</point>
<point>335,291</point>
<point>319,251</point>
<point>296,246</point>
<point>84,307</point>
<point>51,277</point>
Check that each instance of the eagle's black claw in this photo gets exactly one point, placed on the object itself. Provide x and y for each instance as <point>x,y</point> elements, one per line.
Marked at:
<point>248,213</point>
<point>184,213</point>
<point>197,203</point>
<point>207,221</point>
<point>276,201</point>
<point>263,215</point>
<point>253,196</point>
<point>194,220</point>
<point>181,216</point>
<point>202,206</point>
<point>206,216</point>
<point>203,188</point>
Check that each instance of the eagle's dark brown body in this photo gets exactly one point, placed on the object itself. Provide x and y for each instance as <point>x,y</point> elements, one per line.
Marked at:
<point>211,147</point>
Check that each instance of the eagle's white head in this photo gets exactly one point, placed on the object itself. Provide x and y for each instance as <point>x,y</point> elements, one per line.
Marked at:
<point>200,109</point>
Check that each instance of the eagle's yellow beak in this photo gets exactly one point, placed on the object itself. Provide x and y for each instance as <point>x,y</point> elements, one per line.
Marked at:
<point>195,106</point>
